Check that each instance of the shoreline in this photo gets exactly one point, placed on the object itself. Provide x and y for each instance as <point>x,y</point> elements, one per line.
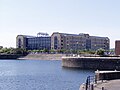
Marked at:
<point>42,57</point>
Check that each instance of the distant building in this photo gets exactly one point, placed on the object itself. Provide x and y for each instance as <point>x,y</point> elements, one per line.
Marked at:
<point>59,41</point>
<point>39,42</point>
<point>21,41</point>
<point>117,47</point>
<point>78,42</point>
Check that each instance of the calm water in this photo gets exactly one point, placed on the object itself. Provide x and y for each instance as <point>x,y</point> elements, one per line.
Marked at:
<point>39,75</point>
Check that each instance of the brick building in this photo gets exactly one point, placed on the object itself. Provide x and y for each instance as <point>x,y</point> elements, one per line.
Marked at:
<point>59,41</point>
<point>78,42</point>
<point>117,47</point>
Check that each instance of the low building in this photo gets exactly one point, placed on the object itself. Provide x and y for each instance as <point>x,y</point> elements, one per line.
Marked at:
<point>117,47</point>
<point>39,42</point>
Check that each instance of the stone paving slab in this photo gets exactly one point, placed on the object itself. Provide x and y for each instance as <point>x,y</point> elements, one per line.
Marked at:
<point>108,85</point>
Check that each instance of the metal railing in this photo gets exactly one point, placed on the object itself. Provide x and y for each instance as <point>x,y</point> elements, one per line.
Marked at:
<point>90,81</point>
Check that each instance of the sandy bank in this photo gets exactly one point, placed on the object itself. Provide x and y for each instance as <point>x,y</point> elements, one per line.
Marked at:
<point>43,57</point>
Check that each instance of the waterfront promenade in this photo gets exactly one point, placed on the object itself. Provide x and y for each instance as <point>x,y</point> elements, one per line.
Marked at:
<point>105,85</point>
<point>108,85</point>
<point>103,80</point>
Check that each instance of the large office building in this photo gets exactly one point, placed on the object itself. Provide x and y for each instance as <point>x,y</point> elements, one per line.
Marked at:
<point>78,42</point>
<point>58,41</point>
<point>39,42</point>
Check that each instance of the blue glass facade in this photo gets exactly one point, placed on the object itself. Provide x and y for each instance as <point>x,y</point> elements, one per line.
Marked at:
<point>38,43</point>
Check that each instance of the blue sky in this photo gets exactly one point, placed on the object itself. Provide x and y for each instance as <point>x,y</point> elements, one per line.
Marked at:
<point>96,17</point>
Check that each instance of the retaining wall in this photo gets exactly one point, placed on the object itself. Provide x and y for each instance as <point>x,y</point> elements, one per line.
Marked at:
<point>100,63</point>
<point>107,75</point>
<point>10,56</point>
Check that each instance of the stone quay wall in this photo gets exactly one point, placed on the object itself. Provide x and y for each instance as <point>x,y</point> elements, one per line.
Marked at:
<point>10,56</point>
<point>96,63</point>
<point>107,75</point>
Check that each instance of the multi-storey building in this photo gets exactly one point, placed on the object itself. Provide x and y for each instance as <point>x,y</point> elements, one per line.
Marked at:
<point>78,42</point>
<point>39,42</point>
<point>117,47</point>
<point>59,41</point>
<point>21,41</point>
<point>99,42</point>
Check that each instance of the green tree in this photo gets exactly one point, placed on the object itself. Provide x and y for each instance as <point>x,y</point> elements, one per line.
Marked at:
<point>52,51</point>
<point>20,51</point>
<point>61,51</point>
<point>45,50</point>
<point>100,52</point>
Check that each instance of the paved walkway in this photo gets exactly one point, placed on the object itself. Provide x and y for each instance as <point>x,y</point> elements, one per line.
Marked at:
<point>108,85</point>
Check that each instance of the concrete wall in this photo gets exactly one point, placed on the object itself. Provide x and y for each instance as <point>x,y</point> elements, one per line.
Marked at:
<point>107,75</point>
<point>96,63</point>
<point>10,56</point>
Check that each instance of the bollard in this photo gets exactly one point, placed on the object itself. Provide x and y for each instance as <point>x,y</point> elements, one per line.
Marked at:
<point>92,87</point>
<point>87,84</point>
<point>82,87</point>
<point>95,79</point>
<point>103,88</point>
